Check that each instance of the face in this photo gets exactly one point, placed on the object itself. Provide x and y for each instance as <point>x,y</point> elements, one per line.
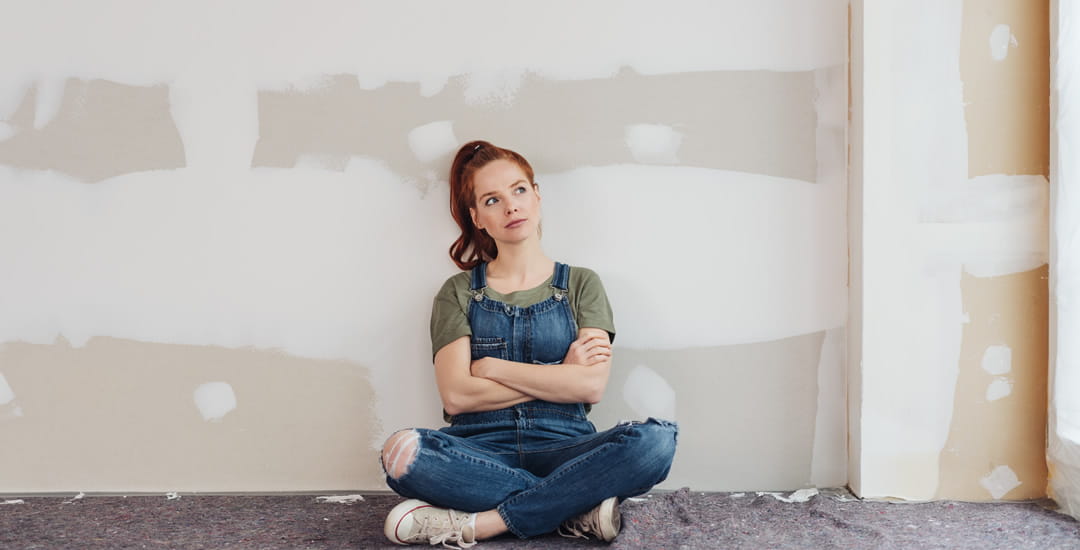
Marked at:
<point>507,205</point>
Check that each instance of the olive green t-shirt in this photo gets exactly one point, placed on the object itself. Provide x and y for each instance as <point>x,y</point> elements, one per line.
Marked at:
<point>449,313</point>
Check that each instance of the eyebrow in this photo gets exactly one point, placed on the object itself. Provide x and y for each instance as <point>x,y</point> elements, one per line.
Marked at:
<point>481,197</point>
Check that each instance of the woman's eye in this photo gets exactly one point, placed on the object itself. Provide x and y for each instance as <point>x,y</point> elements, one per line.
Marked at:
<point>490,201</point>
<point>520,190</point>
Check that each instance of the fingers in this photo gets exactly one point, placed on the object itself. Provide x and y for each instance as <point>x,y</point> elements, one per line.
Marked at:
<point>594,349</point>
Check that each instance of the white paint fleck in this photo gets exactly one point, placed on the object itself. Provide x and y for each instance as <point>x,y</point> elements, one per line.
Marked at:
<point>215,400</point>
<point>648,394</point>
<point>1000,481</point>
<point>433,140</point>
<point>340,499</point>
<point>7,395</point>
<point>15,501</point>
<point>997,360</point>
<point>1000,387</point>
<point>1000,40</point>
<point>75,498</point>
<point>654,143</point>
<point>172,496</point>
<point>802,495</point>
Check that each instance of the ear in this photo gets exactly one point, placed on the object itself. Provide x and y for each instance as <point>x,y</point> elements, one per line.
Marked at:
<point>536,189</point>
<point>472,214</point>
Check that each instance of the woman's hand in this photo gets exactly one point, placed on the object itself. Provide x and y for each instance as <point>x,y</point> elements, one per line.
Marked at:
<point>589,350</point>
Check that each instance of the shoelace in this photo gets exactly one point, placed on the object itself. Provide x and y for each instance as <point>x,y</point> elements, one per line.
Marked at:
<point>441,531</point>
<point>580,527</point>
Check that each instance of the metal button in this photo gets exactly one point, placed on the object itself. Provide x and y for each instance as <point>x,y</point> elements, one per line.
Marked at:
<point>558,296</point>
<point>479,297</point>
<point>509,310</point>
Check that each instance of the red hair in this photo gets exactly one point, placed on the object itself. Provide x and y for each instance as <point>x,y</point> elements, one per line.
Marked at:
<point>475,245</point>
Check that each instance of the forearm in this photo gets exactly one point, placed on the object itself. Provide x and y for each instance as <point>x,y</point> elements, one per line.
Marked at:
<point>476,394</point>
<point>564,383</point>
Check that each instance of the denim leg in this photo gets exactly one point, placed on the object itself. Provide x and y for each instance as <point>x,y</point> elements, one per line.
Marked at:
<point>454,472</point>
<point>624,461</point>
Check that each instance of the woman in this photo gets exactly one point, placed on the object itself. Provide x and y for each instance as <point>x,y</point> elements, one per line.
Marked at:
<point>522,348</point>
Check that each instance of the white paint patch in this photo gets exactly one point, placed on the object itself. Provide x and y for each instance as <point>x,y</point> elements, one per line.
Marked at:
<point>802,495</point>
<point>1000,40</point>
<point>654,143</point>
<point>7,131</point>
<point>215,400</point>
<point>15,501</point>
<point>648,394</point>
<point>340,499</point>
<point>172,496</point>
<point>1000,387</point>
<point>50,95</point>
<point>997,360</point>
<point>791,280</point>
<point>75,498</point>
<point>1000,481</point>
<point>7,395</point>
<point>433,140</point>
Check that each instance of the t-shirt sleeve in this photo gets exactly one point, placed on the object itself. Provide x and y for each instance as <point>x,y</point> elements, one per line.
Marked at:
<point>590,302</point>
<point>449,320</point>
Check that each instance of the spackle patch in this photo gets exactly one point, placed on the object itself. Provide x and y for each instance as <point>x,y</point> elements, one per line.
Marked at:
<point>1000,481</point>
<point>215,400</point>
<point>648,394</point>
<point>7,395</point>
<point>433,140</point>
<point>1000,387</point>
<point>340,499</point>
<point>997,360</point>
<point>1000,40</point>
<point>654,143</point>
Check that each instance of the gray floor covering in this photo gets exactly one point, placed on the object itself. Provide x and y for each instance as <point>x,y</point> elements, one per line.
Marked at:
<point>673,520</point>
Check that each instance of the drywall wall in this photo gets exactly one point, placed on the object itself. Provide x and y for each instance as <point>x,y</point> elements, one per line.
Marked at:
<point>225,225</point>
<point>952,250</point>
<point>1063,453</point>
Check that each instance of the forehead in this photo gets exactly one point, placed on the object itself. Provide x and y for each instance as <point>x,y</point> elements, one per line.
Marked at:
<point>497,175</point>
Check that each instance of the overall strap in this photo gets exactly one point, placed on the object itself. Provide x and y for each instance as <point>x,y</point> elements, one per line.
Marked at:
<point>561,280</point>
<point>479,281</point>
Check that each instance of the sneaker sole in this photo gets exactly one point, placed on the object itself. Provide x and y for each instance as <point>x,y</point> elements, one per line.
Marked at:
<point>397,516</point>
<point>610,509</point>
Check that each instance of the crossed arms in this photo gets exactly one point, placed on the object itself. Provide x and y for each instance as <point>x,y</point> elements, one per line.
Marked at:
<point>490,383</point>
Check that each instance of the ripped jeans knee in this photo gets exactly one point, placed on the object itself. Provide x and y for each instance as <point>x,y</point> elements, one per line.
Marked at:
<point>399,452</point>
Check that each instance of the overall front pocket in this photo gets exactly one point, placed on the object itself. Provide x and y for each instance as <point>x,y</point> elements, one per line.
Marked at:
<point>489,347</point>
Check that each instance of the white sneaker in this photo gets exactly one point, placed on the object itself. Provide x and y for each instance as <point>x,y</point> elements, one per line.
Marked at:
<point>417,522</point>
<point>603,522</point>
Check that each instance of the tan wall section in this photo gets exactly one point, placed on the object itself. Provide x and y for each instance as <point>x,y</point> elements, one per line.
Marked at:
<point>1006,101</point>
<point>101,129</point>
<point>750,121</point>
<point>997,440</point>
<point>746,412</point>
<point>121,415</point>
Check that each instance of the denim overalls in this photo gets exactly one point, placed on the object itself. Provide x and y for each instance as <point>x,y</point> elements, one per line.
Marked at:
<point>538,463</point>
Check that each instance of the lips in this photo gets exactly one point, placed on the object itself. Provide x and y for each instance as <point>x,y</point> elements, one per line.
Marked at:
<point>515,223</point>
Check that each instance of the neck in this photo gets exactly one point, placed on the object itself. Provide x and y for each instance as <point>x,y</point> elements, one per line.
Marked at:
<point>521,263</point>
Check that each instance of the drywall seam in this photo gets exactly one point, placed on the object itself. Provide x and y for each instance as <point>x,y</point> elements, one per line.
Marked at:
<point>828,466</point>
<point>1064,423</point>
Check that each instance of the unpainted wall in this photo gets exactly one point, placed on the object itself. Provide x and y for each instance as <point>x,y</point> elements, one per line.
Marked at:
<point>223,245</point>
